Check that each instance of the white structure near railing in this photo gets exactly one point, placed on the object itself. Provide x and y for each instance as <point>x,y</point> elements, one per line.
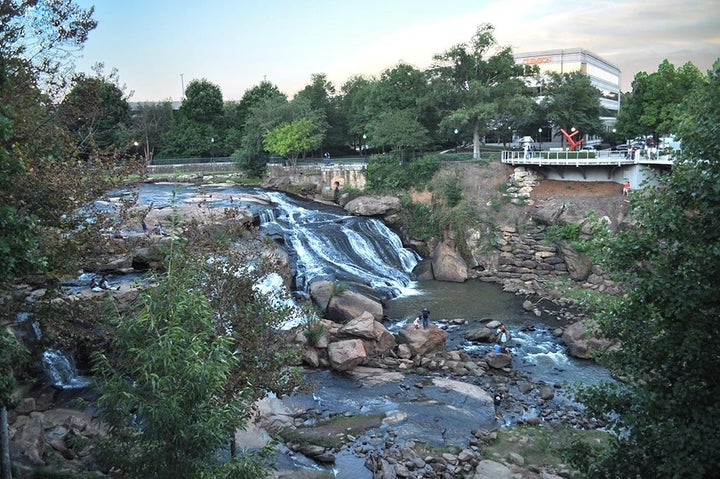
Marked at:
<point>591,165</point>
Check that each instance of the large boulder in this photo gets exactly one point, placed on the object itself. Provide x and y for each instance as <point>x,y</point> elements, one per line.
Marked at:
<point>582,341</point>
<point>377,340</point>
<point>579,266</point>
<point>482,334</point>
<point>346,354</point>
<point>423,270</point>
<point>487,469</point>
<point>423,341</point>
<point>373,206</point>
<point>349,305</point>
<point>321,292</point>
<point>498,360</point>
<point>448,265</point>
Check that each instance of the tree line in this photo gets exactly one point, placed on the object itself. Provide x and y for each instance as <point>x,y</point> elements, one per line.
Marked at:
<point>472,93</point>
<point>65,141</point>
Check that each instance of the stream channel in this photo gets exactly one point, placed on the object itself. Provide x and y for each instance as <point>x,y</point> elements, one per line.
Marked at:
<point>324,242</point>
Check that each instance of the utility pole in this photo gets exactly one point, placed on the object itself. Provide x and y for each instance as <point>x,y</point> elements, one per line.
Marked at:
<point>182,85</point>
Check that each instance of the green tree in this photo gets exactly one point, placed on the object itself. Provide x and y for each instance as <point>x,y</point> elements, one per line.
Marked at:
<point>46,35</point>
<point>665,414</point>
<point>198,127</point>
<point>484,86</point>
<point>185,368</point>
<point>293,139</point>
<point>354,93</point>
<point>13,356</point>
<point>237,113</point>
<point>149,123</point>
<point>571,101</point>
<point>652,107</point>
<point>400,131</point>
<point>40,187</point>
<point>320,95</point>
<point>97,114</point>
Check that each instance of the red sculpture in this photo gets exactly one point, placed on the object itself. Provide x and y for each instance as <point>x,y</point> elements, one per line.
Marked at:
<point>573,144</point>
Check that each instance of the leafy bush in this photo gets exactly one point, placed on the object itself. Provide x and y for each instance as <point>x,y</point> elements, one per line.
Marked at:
<point>450,186</point>
<point>389,173</point>
<point>314,330</point>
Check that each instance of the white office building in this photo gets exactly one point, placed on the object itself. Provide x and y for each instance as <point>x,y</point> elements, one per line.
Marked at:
<point>603,75</point>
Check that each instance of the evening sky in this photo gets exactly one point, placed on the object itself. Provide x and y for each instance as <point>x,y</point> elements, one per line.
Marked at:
<point>158,46</point>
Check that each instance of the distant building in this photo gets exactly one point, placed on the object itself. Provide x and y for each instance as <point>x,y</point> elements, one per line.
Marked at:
<point>603,75</point>
<point>135,105</point>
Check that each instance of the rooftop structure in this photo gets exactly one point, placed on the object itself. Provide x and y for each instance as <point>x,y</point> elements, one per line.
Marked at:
<point>603,75</point>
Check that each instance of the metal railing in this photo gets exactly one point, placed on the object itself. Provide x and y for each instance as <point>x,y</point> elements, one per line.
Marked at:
<point>580,158</point>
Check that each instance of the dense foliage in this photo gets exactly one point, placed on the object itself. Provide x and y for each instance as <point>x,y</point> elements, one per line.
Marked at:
<point>655,104</point>
<point>186,366</point>
<point>387,172</point>
<point>665,413</point>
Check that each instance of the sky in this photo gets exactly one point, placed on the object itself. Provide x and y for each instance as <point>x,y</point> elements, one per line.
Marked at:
<point>159,46</point>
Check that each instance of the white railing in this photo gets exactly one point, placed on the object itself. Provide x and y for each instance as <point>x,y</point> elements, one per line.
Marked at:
<point>578,158</point>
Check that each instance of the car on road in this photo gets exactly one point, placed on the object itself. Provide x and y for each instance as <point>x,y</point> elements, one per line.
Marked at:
<point>621,147</point>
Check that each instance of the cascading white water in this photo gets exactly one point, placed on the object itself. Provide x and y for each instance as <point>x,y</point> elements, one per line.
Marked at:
<point>61,370</point>
<point>332,246</point>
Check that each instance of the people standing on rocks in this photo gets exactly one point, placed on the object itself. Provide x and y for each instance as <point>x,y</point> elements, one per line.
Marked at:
<point>425,318</point>
<point>336,192</point>
<point>502,337</point>
<point>497,400</point>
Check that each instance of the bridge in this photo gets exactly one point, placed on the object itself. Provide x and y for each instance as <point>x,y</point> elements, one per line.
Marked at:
<point>589,165</point>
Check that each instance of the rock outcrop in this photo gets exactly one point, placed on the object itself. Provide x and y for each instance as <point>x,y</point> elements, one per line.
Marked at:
<point>582,340</point>
<point>344,306</point>
<point>448,265</point>
<point>373,205</point>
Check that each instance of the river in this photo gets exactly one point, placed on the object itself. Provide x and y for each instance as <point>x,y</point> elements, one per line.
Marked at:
<point>324,242</point>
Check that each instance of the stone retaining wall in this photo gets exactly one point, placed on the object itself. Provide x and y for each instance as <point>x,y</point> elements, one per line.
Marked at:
<point>320,177</point>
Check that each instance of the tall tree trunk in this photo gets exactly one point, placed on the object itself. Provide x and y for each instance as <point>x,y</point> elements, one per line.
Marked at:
<point>476,143</point>
<point>4,444</point>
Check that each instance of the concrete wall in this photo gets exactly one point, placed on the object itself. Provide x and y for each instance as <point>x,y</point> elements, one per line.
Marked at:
<point>192,168</point>
<point>323,177</point>
<point>638,175</point>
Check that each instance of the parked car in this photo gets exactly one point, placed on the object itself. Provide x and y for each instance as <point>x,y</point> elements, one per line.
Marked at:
<point>621,147</point>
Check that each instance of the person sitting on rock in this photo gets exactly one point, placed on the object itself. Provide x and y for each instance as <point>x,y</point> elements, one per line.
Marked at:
<point>417,322</point>
<point>502,336</point>
<point>104,283</point>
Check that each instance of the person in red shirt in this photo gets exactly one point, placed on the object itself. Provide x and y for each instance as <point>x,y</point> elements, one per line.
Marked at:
<point>626,188</point>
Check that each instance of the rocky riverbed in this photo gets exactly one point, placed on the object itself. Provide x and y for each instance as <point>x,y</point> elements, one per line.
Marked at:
<point>420,371</point>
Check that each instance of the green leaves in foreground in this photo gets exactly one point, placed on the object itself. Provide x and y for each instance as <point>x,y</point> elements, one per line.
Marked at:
<point>666,413</point>
<point>180,377</point>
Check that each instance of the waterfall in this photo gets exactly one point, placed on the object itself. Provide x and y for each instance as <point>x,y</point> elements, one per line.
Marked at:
<point>62,371</point>
<point>327,245</point>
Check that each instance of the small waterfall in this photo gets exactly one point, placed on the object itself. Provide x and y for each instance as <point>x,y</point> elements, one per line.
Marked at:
<point>326,245</point>
<point>62,371</point>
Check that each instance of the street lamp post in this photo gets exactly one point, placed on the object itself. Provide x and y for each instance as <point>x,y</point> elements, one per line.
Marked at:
<point>212,150</point>
<point>363,147</point>
<point>456,139</point>
<point>540,137</point>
